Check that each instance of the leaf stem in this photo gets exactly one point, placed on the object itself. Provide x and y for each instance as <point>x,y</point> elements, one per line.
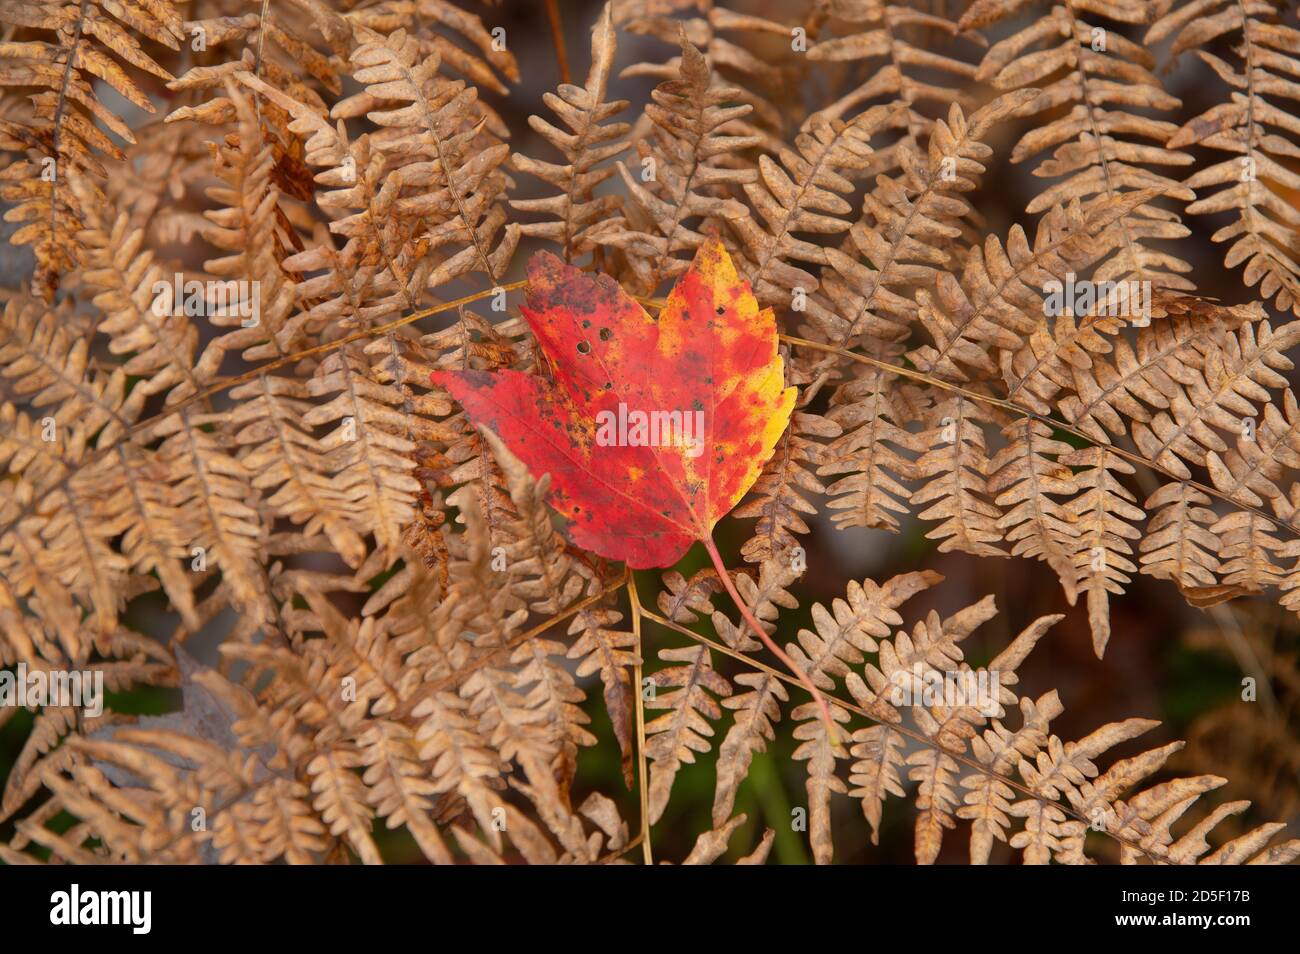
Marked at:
<point>789,663</point>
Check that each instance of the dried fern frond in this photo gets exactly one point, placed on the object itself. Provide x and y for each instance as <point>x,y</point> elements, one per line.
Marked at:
<point>1258,178</point>
<point>1060,792</point>
<point>575,211</point>
<point>121,275</point>
<point>419,202</point>
<point>1025,477</point>
<point>299,50</point>
<point>998,300</point>
<point>682,180</point>
<point>778,498</point>
<point>1103,147</point>
<point>60,50</point>
<point>909,223</point>
<point>365,451</point>
<point>212,491</point>
<point>755,79</point>
<point>953,471</point>
<point>1104,511</point>
<point>441,22</point>
<point>874,450</point>
<point>257,236</point>
<point>904,58</point>
<point>802,191</point>
<point>682,731</point>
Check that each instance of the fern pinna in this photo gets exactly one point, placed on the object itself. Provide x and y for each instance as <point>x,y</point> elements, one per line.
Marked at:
<point>322,605</point>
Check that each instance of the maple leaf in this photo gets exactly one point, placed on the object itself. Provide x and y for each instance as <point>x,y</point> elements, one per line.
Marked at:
<point>651,429</point>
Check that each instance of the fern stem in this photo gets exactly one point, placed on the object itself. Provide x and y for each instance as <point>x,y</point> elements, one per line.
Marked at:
<point>557,37</point>
<point>786,660</point>
<point>644,792</point>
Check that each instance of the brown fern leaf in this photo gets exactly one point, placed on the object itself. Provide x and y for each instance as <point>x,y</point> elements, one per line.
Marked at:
<point>1111,393</point>
<point>908,223</point>
<point>755,78</point>
<point>575,211</point>
<point>954,470</point>
<point>161,344</point>
<point>999,299</point>
<point>603,647</point>
<point>675,736</point>
<point>852,627</point>
<point>1103,145</point>
<point>1179,544</point>
<point>52,368</point>
<point>906,52</point>
<point>1105,513</point>
<point>211,490</point>
<point>682,180</point>
<point>757,709</point>
<point>1218,392</point>
<point>278,448</point>
<point>777,498</point>
<point>286,50</point>
<point>803,192</point>
<point>248,228</point>
<point>765,597</point>
<point>1251,471</point>
<point>419,201</point>
<point>875,449</point>
<point>439,22</point>
<point>60,50</point>
<point>1257,177</point>
<point>1024,477</point>
<point>366,454</point>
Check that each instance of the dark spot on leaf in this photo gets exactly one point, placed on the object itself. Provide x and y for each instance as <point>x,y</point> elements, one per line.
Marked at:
<point>609,385</point>
<point>722,310</point>
<point>586,324</point>
<point>584,347</point>
<point>697,405</point>
<point>606,334</point>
